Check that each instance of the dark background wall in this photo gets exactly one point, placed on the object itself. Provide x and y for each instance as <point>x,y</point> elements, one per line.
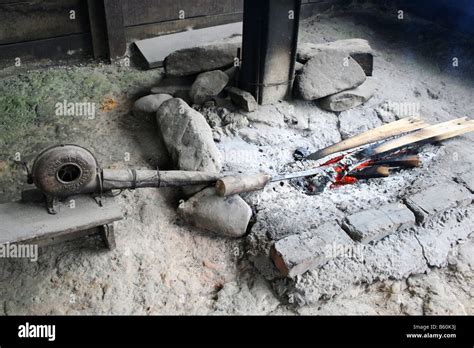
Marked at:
<point>35,29</point>
<point>454,14</point>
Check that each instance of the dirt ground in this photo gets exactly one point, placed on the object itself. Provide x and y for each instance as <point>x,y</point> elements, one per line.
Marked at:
<point>162,266</point>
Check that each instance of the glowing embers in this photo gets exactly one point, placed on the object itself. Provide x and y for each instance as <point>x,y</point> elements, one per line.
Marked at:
<point>347,170</point>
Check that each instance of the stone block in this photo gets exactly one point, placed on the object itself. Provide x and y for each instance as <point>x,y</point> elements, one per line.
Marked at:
<point>298,253</point>
<point>437,199</point>
<point>374,224</point>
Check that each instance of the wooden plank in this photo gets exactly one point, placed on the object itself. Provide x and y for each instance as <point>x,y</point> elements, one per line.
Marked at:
<point>30,222</point>
<point>115,28</point>
<point>62,238</point>
<point>65,48</point>
<point>433,133</point>
<point>33,20</point>
<point>371,136</point>
<point>155,29</point>
<point>13,1</point>
<point>153,11</point>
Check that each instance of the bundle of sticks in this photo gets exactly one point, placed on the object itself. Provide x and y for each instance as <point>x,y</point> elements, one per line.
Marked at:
<point>372,154</point>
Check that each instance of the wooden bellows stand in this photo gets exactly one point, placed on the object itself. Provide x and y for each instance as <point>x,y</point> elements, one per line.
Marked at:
<point>28,222</point>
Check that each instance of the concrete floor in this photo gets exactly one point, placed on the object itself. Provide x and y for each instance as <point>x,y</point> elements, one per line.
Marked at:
<point>162,266</point>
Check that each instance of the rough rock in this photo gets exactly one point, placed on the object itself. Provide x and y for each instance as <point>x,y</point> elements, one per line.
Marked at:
<point>374,224</point>
<point>149,104</point>
<point>327,73</point>
<point>271,115</point>
<point>224,216</point>
<point>467,179</point>
<point>438,199</point>
<point>235,121</point>
<point>358,49</point>
<point>208,85</point>
<point>243,99</point>
<point>188,137</point>
<point>233,73</point>
<point>298,67</point>
<point>385,115</point>
<point>296,254</point>
<point>349,99</point>
<point>353,122</point>
<point>195,60</point>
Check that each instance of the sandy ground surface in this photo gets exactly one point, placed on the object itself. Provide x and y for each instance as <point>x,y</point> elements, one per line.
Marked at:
<point>162,266</point>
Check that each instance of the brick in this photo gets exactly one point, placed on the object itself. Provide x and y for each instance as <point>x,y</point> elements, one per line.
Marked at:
<point>374,224</point>
<point>298,253</point>
<point>438,199</point>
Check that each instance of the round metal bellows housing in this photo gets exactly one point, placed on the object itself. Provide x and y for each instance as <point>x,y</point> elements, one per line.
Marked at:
<point>65,170</point>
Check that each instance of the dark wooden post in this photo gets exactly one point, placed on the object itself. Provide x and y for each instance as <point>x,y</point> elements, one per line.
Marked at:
<point>107,28</point>
<point>270,36</point>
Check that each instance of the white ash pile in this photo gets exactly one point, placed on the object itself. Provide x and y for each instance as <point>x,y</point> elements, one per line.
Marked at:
<point>310,247</point>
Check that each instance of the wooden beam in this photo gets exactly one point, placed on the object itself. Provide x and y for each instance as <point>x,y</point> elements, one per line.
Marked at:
<point>115,28</point>
<point>270,35</point>
<point>98,28</point>
<point>154,11</point>
<point>64,48</point>
<point>35,20</point>
<point>146,31</point>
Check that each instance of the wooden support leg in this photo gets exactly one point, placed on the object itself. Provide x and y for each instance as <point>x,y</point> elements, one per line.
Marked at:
<point>108,235</point>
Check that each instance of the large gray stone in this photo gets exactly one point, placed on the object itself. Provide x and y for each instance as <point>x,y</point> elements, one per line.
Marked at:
<point>188,137</point>
<point>208,85</point>
<point>349,99</point>
<point>328,72</point>
<point>298,253</point>
<point>359,49</point>
<point>438,199</point>
<point>195,60</point>
<point>233,73</point>
<point>149,104</point>
<point>224,216</point>
<point>374,224</point>
<point>243,99</point>
<point>357,121</point>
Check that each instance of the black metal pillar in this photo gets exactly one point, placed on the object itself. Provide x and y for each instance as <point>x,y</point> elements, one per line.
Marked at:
<point>270,35</point>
